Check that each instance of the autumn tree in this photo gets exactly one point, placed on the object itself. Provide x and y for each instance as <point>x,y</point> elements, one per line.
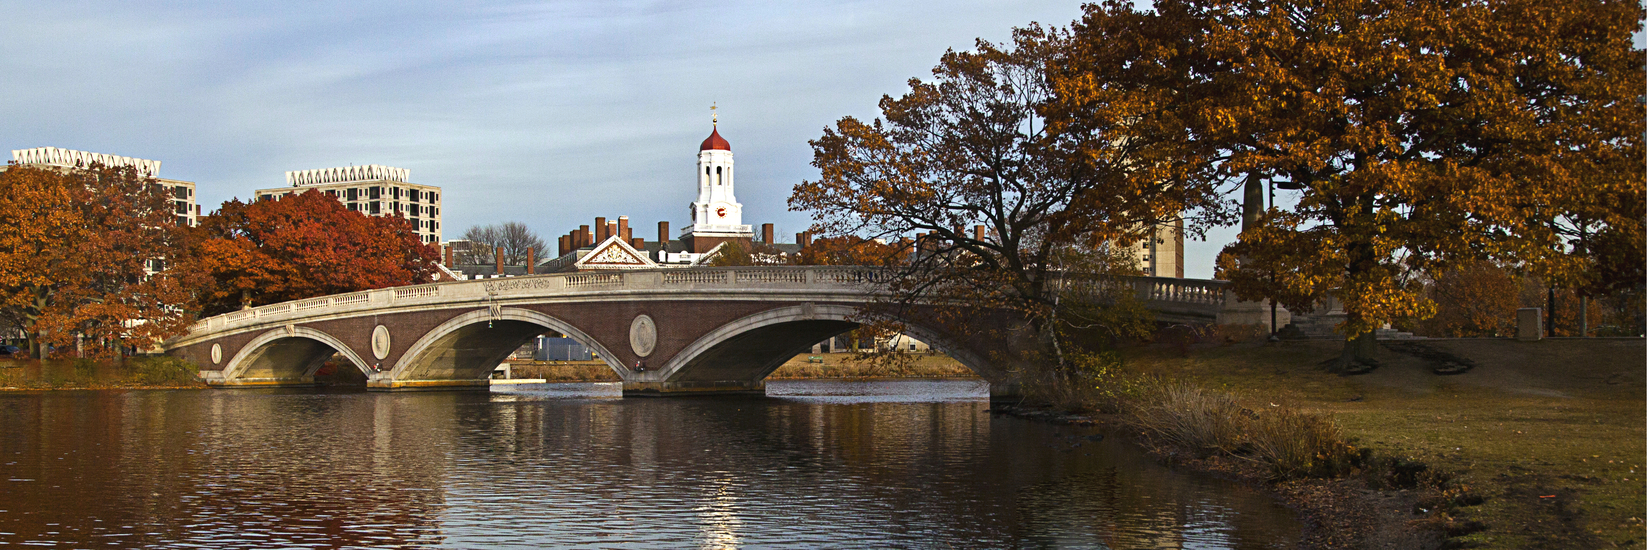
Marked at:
<point>298,246</point>
<point>851,250</point>
<point>77,247</point>
<point>972,146</point>
<point>513,237</point>
<point>1418,135</point>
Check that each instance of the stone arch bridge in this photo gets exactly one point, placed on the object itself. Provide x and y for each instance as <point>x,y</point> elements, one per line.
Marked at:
<point>667,331</point>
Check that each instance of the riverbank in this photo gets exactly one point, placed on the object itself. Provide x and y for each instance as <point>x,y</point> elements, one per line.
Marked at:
<point>1539,445</point>
<point>807,366</point>
<point>83,374</point>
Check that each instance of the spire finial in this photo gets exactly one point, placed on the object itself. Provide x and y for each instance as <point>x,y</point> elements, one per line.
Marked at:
<point>713,114</point>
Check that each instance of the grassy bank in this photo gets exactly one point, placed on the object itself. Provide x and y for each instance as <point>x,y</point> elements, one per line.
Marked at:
<point>1549,436</point>
<point>134,372</point>
<point>843,365</point>
<point>802,367</point>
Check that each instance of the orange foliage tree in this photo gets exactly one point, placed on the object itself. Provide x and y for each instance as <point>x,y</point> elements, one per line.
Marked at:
<point>299,246</point>
<point>1418,135</point>
<point>76,248</point>
<point>848,250</point>
<point>978,144</point>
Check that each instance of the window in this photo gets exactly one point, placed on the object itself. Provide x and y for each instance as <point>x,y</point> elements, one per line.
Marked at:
<point>375,207</point>
<point>352,193</point>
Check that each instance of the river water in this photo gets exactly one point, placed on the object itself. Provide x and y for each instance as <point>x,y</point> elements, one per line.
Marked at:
<point>816,464</point>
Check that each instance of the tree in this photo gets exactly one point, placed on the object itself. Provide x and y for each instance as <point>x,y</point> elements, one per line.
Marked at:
<point>76,247</point>
<point>972,146</point>
<point>1419,135</point>
<point>849,250</point>
<point>298,246</point>
<point>514,237</point>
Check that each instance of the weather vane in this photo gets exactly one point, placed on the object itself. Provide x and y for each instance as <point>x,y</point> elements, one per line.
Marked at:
<point>713,113</point>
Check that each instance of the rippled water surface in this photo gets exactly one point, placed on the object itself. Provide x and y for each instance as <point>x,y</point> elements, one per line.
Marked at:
<point>908,464</point>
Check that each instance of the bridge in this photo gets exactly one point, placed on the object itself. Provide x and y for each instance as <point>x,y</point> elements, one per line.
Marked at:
<point>665,332</point>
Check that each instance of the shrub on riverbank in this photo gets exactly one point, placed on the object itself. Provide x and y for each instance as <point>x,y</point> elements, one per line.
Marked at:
<point>145,371</point>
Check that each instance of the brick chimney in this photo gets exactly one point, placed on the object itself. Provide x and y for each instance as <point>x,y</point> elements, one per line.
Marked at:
<point>601,230</point>
<point>624,228</point>
<point>612,229</point>
<point>447,251</point>
<point>767,233</point>
<point>636,243</point>
<point>664,234</point>
<point>584,237</point>
<point>979,233</point>
<point>498,260</point>
<point>530,260</point>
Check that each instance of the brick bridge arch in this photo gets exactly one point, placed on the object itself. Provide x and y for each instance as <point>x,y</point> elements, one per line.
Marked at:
<point>472,344</point>
<point>715,329</point>
<point>288,353</point>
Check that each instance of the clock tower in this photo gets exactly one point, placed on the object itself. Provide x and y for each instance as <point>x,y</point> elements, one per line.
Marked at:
<point>716,214</point>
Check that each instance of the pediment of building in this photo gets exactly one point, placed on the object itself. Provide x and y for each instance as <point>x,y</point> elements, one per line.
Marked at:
<point>614,253</point>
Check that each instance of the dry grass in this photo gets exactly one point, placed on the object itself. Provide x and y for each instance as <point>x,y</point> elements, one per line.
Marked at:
<point>1192,418</point>
<point>133,372</point>
<point>845,365</point>
<point>564,371</point>
<point>1295,443</point>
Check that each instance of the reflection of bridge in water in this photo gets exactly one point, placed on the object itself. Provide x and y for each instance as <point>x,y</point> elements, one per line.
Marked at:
<point>698,330</point>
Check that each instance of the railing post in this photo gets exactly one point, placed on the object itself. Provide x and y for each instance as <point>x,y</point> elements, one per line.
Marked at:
<point>733,277</point>
<point>809,277</point>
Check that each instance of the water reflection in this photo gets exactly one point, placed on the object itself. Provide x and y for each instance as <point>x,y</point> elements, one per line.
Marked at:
<point>907,464</point>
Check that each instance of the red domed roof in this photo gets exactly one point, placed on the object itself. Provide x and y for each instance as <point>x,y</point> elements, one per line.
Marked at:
<point>715,141</point>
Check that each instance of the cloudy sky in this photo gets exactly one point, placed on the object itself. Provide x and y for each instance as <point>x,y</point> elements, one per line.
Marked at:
<point>548,113</point>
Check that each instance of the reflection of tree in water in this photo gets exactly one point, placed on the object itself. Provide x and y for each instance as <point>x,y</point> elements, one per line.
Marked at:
<point>730,472</point>
<point>226,469</point>
<point>290,468</point>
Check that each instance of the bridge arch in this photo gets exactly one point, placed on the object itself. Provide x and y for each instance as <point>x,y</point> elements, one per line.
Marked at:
<point>752,347</point>
<point>471,345</point>
<point>287,354</point>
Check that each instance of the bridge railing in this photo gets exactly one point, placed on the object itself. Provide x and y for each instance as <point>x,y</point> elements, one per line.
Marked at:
<point>1182,293</point>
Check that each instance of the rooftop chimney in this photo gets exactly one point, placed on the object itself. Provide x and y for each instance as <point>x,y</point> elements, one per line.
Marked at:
<point>664,235</point>
<point>601,230</point>
<point>767,233</point>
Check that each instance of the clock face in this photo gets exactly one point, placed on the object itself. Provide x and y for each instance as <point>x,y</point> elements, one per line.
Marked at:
<point>721,212</point>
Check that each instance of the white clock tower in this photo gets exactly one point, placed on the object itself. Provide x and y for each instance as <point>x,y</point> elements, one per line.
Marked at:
<point>716,214</point>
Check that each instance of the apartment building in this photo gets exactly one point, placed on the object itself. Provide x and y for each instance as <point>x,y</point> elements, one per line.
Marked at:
<point>182,192</point>
<point>374,190</point>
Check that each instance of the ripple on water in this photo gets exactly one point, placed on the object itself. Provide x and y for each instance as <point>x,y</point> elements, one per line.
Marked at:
<point>907,463</point>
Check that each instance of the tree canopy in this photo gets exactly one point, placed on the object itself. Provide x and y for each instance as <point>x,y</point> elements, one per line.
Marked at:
<point>1419,135</point>
<point>76,250</point>
<point>299,246</point>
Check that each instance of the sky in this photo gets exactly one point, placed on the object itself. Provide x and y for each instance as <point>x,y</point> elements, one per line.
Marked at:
<point>546,113</point>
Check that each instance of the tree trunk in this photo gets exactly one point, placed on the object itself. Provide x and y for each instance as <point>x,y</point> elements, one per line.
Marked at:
<point>1357,356</point>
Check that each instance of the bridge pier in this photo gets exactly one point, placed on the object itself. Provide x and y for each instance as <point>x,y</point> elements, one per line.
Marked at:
<point>388,384</point>
<point>695,387</point>
<point>295,382</point>
<point>1007,393</point>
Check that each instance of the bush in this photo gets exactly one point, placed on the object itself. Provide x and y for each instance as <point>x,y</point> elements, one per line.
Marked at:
<point>1192,418</point>
<point>1297,444</point>
<point>161,370</point>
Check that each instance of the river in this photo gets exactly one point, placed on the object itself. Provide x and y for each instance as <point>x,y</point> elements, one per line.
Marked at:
<point>816,464</point>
